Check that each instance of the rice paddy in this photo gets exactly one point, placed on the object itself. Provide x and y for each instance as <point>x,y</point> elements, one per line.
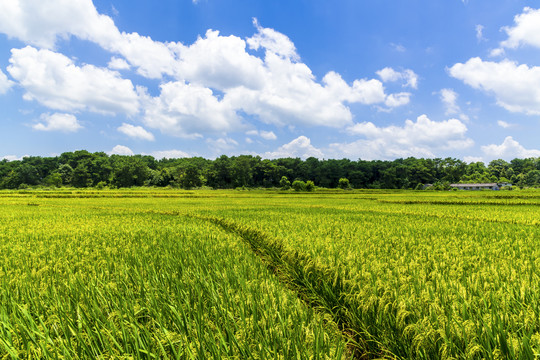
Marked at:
<point>269,275</point>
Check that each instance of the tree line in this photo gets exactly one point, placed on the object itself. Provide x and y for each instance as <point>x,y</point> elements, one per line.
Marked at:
<point>84,169</point>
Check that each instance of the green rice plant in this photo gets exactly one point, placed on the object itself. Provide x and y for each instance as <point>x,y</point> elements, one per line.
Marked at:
<point>80,281</point>
<point>367,274</point>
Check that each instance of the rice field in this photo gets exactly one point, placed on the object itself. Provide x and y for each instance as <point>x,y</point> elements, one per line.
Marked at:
<point>140,274</point>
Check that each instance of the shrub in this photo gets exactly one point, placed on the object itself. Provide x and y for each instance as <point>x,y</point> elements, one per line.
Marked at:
<point>299,185</point>
<point>344,183</point>
<point>101,185</point>
<point>284,183</point>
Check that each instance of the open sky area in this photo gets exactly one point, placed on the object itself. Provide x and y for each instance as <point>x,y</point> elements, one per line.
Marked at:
<point>330,79</point>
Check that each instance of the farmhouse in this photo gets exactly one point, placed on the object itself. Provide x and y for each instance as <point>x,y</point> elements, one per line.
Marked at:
<point>481,186</point>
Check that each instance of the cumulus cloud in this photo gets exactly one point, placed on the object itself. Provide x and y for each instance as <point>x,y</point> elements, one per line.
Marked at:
<point>273,41</point>
<point>291,96</point>
<point>188,110</point>
<point>420,138</point>
<point>169,154</point>
<point>31,21</point>
<point>268,82</point>
<point>300,147</point>
<point>56,82</point>
<point>121,150</point>
<point>449,99</point>
<point>58,122</point>
<point>526,29</point>
<point>152,58</point>
<point>408,76</point>
<point>5,83</point>
<point>137,132</point>
<point>514,86</point>
<point>118,64</point>
<point>42,23</point>
<point>267,135</point>
<point>220,62</point>
<point>399,99</point>
<point>508,150</point>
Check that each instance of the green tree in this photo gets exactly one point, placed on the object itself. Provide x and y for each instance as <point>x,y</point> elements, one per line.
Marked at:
<point>284,183</point>
<point>54,180</point>
<point>190,177</point>
<point>299,185</point>
<point>129,171</point>
<point>81,177</point>
<point>532,178</point>
<point>344,183</point>
<point>66,173</point>
<point>310,186</point>
<point>28,174</point>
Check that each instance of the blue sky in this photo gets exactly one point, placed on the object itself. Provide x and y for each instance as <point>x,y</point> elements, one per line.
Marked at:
<point>340,79</point>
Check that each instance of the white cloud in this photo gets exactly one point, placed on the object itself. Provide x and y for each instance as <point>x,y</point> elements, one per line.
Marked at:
<point>41,23</point>
<point>169,154</point>
<point>13,157</point>
<point>222,144</point>
<point>31,22</point>
<point>275,87</point>
<point>291,96</point>
<point>300,147</point>
<point>188,110</point>
<point>137,132</point>
<point>496,52</point>
<point>273,41</point>
<point>408,76</point>
<point>526,30</point>
<point>267,135</point>
<point>58,122</point>
<point>118,64</point>
<point>479,33</point>
<point>504,124</point>
<point>398,47</point>
<point>121,150</point>
<point>514,86</point>
<point>220,62</point>
<point>56,82</point>
<point>422,138</point>
<point>508,150</point>
<point>151,58</point>
<point>389,74</point>
<point>473,159</point>
<point>5,83</point>
<point>399,99</point>
<point>449,99</point>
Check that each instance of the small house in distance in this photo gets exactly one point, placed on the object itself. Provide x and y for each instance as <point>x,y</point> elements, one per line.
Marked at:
<point>481,186</point>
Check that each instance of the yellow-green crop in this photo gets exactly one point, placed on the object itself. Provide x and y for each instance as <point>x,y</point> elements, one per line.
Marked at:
<point>238,274</point>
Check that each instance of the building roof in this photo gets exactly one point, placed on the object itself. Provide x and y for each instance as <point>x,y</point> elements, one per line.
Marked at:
<point>475,185</point>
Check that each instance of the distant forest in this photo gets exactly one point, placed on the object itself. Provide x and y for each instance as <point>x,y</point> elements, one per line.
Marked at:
<point>84,169</point>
